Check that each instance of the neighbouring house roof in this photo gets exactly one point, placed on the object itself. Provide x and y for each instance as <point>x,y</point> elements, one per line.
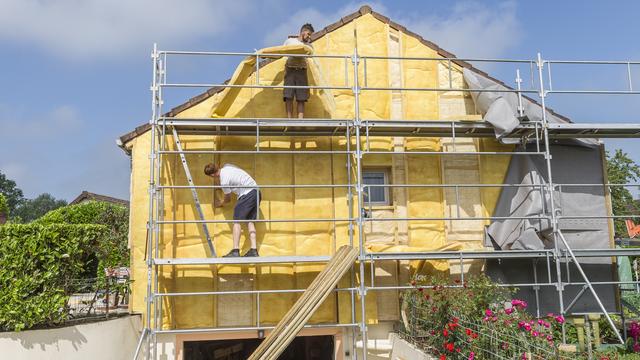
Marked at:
<point>89,196</point>
<point>122,141</point>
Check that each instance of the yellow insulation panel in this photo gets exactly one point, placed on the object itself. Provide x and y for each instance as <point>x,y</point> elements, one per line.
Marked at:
<point>294,238</point>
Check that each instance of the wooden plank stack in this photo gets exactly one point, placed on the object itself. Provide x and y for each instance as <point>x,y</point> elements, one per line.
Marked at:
<point>293,321</point>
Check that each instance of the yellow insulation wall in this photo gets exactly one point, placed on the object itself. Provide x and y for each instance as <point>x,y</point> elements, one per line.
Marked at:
<point>295,238</point>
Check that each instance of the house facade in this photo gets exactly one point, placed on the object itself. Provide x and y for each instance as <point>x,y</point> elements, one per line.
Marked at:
<point>370,34</point>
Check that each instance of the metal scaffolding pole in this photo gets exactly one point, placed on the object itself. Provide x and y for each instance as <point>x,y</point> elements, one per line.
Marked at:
<point>359,218</point>
<point>353,128</point>
<point>550,188</point>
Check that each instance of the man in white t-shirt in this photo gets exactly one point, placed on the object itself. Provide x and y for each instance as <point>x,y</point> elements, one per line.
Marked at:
<point>295,74</point>
<point>235,180</point>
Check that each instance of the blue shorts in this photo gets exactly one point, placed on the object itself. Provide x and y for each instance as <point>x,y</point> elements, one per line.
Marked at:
<point>247,206</point>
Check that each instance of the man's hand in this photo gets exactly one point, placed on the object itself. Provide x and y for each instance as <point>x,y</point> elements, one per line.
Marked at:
<point>219,204</point>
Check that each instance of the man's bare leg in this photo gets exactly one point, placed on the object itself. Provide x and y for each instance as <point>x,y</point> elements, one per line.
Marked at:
<point>300,109</point>
<point>235,252</point>
<point>288,103</point>
<point>237,230</point>
<point>252,234</point>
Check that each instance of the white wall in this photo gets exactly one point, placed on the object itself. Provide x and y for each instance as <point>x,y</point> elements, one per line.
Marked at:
<point>112,339</point>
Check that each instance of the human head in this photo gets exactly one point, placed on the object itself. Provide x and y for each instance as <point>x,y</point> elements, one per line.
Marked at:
<point>212,170</point>
<point>305,32</point>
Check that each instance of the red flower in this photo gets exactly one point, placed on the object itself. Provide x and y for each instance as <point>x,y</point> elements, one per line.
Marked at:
<point>449,347</point>
<point>468,331</point>
<point>442,357</point>
<point>427,296</point>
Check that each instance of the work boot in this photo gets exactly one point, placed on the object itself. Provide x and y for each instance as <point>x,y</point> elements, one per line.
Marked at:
<point>233,253</point>
<point>251,253</point>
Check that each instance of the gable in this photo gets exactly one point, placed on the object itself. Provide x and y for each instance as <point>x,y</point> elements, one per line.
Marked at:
<point>337,38</point>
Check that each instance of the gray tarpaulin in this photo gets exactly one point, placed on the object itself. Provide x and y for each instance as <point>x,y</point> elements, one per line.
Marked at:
<point>577,161</point>
<point>570,165</point>
<point>500,109</point>
<point>573,162</point>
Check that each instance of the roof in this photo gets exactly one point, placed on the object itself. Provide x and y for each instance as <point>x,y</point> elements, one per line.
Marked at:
<point>365,9</point>
<point>88,196</point>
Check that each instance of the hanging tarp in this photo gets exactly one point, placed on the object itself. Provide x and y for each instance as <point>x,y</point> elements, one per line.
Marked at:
<point>571,165</point>
<point>500,108</point>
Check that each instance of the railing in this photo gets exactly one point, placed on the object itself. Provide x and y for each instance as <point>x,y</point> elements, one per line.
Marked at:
<point>95,298</point>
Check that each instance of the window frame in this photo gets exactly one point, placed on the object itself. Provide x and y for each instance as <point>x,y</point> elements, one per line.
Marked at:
<point>386,172</point>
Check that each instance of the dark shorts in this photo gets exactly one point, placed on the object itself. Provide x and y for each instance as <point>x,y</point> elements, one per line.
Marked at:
<point>295,77</point>
<point>247,206</point>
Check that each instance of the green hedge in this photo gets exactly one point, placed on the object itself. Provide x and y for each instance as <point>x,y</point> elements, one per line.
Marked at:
<point>37,263</point>
<point>112,250</point>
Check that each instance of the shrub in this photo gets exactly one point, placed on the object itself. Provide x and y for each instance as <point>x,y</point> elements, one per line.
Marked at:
<point>476,320</point>
<point>112,250</point>
<point>37,263</point>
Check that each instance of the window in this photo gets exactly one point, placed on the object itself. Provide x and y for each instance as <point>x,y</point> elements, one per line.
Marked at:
<point>376,195</point>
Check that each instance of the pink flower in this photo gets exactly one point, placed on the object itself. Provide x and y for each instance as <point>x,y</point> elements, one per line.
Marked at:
<point>519,303</point>
<point>472,355</point>
<point>520,324</point>
<point>535,333</point>
<point>488,312</point>
<point>540,322</point>
<point>527,327</point>
<point>560,319</point>
<point>508,311</point>
<point>636,347</point>
<point>546,324</point>
<point>549,338</point>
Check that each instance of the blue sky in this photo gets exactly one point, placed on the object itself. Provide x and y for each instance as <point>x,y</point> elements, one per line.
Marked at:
<point>75,74</point>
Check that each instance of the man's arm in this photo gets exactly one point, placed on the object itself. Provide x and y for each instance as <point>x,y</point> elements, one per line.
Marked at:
<point>225,200</point>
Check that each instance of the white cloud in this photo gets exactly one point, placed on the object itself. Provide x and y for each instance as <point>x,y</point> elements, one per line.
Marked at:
<point>472,29</point>
<point>83,29</point>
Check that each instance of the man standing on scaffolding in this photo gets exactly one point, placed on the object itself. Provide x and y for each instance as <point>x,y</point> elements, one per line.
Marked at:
<point>295,74</point>
<point>235,180</point>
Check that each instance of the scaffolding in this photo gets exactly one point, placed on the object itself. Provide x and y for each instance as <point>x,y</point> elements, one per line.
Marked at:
<point>358,131</point>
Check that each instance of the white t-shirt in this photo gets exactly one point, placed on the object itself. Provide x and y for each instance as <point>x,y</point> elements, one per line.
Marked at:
<point>232,176</point>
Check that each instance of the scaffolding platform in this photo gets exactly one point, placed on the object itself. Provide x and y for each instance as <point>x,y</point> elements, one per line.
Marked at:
<point>404,128</point>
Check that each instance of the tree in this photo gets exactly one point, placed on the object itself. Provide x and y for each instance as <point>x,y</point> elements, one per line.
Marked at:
<point>4,209</point>
<point>32,209</point>
<point>622,170</point>
<point>11,192</point>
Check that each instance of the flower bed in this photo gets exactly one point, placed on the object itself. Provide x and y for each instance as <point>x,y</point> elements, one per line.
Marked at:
<point>477,320</point>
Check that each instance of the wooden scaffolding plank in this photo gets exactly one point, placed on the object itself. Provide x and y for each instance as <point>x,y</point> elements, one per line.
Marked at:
<point>293,321</point>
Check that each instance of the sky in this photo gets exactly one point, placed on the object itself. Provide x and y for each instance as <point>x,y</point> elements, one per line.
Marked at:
<point>75,75</point>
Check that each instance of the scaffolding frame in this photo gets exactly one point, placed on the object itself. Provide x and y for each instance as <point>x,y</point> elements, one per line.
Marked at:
<point>357,132</point>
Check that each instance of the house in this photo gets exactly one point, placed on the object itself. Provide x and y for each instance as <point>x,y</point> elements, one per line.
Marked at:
<point>227,323</point>
<point>89,196</point>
